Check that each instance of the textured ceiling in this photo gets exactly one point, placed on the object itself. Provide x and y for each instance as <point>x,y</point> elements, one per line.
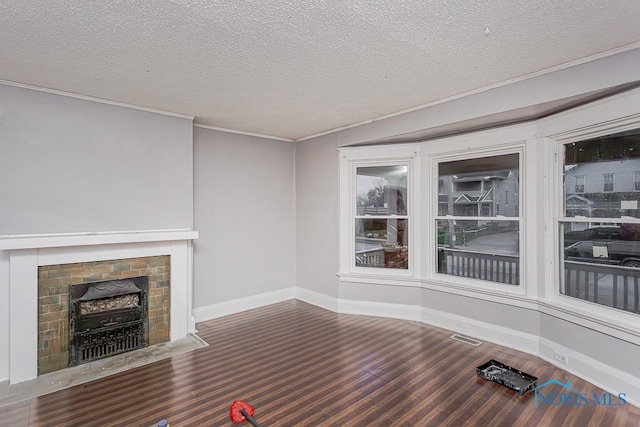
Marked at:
<point>296,68</point>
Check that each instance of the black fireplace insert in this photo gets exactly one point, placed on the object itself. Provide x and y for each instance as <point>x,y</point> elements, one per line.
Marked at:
<point>107,318</point>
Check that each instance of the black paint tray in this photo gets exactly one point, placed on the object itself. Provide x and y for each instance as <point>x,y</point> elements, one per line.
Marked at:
<point>507,376</point>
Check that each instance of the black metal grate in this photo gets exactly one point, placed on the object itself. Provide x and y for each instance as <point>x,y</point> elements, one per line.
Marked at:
<point>98,345</point>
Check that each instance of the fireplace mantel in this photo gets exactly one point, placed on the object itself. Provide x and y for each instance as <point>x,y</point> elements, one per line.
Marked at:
<point>57,240</point>
<point>28,252</point>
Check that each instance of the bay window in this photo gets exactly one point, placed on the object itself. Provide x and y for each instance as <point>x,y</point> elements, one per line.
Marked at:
<point>542,215</point>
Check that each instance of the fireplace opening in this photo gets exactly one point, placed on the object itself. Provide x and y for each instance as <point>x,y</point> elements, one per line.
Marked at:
<point>107,318</point>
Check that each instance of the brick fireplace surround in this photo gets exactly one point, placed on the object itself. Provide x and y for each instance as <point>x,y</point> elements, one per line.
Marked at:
<point>53,301</point>
<point>42,266</point>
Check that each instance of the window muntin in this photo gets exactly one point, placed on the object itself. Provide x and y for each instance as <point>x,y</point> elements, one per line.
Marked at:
<point>477,225</point>
<point>599,233</point>
<point>381,220</point>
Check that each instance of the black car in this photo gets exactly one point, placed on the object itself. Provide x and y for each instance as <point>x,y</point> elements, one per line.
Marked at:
<point>616,252</point>
<point>593,233</point>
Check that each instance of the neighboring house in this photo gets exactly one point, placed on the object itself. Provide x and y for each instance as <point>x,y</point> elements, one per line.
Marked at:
<point>602,189</point>
<point>479,194</point>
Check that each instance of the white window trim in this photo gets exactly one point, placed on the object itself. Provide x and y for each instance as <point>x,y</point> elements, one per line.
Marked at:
<point>507,140</point>
<point>440,280</point>
<point>352,158</point>
<point>597,119</point>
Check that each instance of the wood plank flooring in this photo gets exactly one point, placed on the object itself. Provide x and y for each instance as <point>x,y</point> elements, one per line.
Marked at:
<point>300,365</point>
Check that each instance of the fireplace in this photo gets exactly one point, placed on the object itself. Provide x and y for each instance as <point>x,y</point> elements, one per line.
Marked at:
<point>107,318</point>
<point>132,295</point>
<point>40,269</point>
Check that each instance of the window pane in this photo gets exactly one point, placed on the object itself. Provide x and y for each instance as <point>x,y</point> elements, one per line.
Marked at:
<point>486,186</point>
<point>381,243</point>
<point>601,263</point>
<point>381,190</point>
<point>601,176</point>
<point>486,250</point>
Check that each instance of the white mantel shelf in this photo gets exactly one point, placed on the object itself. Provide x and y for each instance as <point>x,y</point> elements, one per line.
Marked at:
<point>57,240</point>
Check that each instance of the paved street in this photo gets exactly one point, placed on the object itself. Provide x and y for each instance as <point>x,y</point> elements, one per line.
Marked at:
<point>500,244</point>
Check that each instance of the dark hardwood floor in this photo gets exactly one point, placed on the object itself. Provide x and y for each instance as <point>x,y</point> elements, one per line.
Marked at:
<point>300,365</point>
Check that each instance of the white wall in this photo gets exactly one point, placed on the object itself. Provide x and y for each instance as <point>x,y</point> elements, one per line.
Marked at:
<point>77,165</point>
<point>611,351</point>
<point>73,165</point>
<point>317,218</point>
<point>244,213</point>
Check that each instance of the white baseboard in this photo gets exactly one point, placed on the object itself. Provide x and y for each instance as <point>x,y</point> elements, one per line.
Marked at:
<point>213,311</point>
<point>481,330</point>
<point>599,374</point>
<point>318,299</point>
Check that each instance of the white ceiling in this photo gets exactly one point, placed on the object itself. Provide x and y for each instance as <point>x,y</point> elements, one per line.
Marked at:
<point>297,68</point>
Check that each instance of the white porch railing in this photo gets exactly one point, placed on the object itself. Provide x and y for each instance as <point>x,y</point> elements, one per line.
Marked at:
<point>479,265</point>
<point>370,258</point>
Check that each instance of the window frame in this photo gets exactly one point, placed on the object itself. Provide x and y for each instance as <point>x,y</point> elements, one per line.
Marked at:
<point>555,296</point>
<point>613,115</point>
<point>351,159</point>
<point>465,283</point>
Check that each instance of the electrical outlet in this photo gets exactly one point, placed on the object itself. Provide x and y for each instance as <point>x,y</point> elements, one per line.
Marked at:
<point>562,358</point>
<point>464,327</point>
